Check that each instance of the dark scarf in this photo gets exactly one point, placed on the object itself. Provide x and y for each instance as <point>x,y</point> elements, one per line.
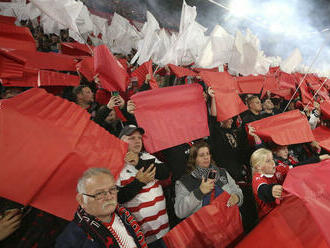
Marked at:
<point>220,177</point>
<point>290,161</point>
<point>97,231</point>
<point>220,180</point>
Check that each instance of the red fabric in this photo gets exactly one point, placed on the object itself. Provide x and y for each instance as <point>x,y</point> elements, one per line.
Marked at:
<point>273,70</point>
<point>181,71</point>
<point>16,37</point>
<point>214,225</point>
<point>112,74</point>
<point>270,84</point>
<point>287,81</point>
<point>7,19</point>
<point>44,78</point>
<point>250,84</point>
<point>286,227</point>
<point>46,61</point>
<point>284,93</point>
<point>10,66</point>
<point>46,144</point>
<point>322,136</point>
<point>310,183</point>
<point>48,78</point>
<point>86,68</point>
<point>29,79</point>
<point>215,69</point>
<point>123,62</point>
<point>102,96</point>
<point>283,129</point>
<point>76,49</point>
<point>228,102</point>
<point>153,83</point>
<point>325,110</point>
<point>141,72</point>
<point>306,95</point>
<point>171,116</point>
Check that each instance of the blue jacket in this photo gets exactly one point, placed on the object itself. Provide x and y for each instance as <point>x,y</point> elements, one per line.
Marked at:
<point>74,236</point>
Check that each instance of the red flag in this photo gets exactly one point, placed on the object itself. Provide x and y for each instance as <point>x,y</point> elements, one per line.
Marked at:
<point>214,225</point>
<point>112,74</point>
<point>284,93</point>
<point>288,225</point>
<point>284,129</point>
<point>16,37</point>
<point>43,78</point>
<point>310,183</point>
<point>86,67</point>
<point>171,116</point>
<point>76,49</point>
<point>153,83</point>
<point>11,66</point>
<point>228,102</point>
<point>287,81</point>
<point>182,71</point>
<point>270,84</point>
<point>322,136</point>
<point>46,144</point>
<point>141,72</point>
<point>47,61</point>
<point>325,109</point>
<point>221,80</point>
<point>7,19</point>
<point>215,69</point>
<point>250,84</point>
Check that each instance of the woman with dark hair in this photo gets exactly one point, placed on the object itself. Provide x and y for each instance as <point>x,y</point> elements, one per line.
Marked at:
<point>203,182</point>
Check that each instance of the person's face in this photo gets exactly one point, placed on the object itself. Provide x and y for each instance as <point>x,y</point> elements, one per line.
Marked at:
<point>268,104</point>
<point>134,142</point>
<point>87,95</point>
<point>282,152</point>
<point>227,123</point>
<point>100,208</point>
<point>111,117</point>
<point>268,167</point>
<point>255,105</point>
<point>203,158</point>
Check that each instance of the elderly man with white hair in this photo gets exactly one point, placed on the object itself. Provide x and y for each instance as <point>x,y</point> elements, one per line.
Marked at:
<point>99,221</point>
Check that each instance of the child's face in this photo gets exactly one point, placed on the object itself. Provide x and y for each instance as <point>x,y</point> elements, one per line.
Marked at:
<point>282,152</point>
<point>268,167</point>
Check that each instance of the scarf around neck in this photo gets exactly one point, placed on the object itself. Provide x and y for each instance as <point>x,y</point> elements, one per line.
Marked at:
<point>94,228</point>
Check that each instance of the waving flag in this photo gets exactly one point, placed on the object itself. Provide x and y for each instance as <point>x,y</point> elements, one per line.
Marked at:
<point>53,141</point>
<point>171,116</point>
<point>282,129</point>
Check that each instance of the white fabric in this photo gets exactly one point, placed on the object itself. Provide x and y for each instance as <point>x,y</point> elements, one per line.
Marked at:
<point>126,239</point>
<point>292,62</point>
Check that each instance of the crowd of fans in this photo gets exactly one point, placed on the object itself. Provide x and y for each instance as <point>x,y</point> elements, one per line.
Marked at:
<point>157,191</point>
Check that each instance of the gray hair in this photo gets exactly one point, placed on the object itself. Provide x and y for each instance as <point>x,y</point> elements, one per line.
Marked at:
<point>90,173</point>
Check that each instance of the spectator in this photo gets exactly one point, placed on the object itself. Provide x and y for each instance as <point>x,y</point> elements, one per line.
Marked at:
<point>203,181</point>
<point>99,221</point>
<point>148,206</point>
<point>266,186</point>
<point>107,118</point>
<point>230,149</point>
<point>84,97</point>
<point>268,108</point>
<point>255,108</point>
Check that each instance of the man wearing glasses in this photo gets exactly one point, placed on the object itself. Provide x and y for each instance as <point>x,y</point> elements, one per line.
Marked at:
<point>99,221</point>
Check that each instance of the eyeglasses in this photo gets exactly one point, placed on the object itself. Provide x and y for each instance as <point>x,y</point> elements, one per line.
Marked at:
<point>102,195</point>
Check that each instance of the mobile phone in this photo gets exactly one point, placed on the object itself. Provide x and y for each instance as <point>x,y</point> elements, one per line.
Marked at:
<point>146,163</point>
<point>212,174</point>
<point>115,93</point>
